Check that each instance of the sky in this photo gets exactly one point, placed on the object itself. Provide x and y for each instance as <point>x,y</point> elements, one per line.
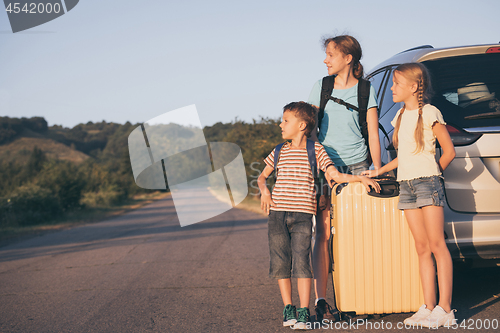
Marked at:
<point>122,61</point>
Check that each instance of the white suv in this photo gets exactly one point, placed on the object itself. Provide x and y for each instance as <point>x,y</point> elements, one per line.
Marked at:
<point>466,84</point>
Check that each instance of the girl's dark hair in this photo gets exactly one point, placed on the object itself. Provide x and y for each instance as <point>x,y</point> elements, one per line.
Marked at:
<point>348,45</point>
<point>305,112</point>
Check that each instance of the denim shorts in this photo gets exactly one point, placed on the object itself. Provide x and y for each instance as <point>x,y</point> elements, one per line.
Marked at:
<point>289,236</point>
<point>421,192</point>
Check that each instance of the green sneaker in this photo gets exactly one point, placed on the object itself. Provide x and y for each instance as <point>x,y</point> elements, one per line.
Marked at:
<point>289,315</point>
<point>302,319</point>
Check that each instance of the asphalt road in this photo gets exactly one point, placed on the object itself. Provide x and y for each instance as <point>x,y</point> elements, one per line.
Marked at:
<point>142,272</point>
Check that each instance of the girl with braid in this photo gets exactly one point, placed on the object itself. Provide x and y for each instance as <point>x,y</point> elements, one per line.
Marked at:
<point>416,127</point>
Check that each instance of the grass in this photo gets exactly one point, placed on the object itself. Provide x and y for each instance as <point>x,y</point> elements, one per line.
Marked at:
<point>78,217</point>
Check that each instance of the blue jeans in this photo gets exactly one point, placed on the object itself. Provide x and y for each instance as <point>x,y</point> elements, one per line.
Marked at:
<point>289,236</point>
<point>420,192</point>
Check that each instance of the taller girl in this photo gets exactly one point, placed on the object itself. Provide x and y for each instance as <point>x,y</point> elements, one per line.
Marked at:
<point>416,127</point>
<point>341,135</point>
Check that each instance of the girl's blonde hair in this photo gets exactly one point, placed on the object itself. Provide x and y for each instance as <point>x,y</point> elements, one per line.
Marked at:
<point>415,72</point>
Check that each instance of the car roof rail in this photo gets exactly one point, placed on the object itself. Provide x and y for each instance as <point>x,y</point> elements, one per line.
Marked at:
<point>418,48</point>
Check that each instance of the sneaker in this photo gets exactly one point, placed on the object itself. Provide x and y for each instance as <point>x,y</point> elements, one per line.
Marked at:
<point>323,311</point>
<point>421,314</point>
<point>439,317</point>
<point>289,315</point>
<point>302,319</point>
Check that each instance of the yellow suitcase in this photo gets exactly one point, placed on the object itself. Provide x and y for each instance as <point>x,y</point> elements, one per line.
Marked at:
<point>375,262</point>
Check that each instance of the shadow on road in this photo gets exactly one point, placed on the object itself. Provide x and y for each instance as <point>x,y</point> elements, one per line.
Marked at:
<point>157,222</point>
<point>475,289</point>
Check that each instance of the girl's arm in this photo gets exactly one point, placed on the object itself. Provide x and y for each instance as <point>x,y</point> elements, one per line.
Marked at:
<point>346,178</point>
<point>386,168</point>
<point>373,138</point>
<point>446,144</point>
<point>265,196</point>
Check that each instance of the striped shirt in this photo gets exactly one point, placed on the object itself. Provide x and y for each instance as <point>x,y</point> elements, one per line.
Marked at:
<point>294,189</point>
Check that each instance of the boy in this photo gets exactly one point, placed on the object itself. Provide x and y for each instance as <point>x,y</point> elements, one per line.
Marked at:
<point>292,206</point>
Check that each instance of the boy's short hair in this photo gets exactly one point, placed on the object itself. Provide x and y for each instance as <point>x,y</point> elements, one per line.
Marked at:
<point>305,112</point>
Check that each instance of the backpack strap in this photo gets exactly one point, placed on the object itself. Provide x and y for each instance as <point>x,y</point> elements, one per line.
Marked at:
<point>277,151</point>
<point>311,156</point>
<point>363,95</point>
<point>326,93</point>
<point>342,102</point>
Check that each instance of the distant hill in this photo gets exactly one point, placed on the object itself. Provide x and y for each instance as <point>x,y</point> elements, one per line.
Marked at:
<point>12,128</point>
<point>21,148</point>
<point>46,172</point>
<point>19,136</point>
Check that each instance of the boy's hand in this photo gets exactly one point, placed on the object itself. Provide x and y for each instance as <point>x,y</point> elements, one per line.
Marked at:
<point>265,196</point>
<point>329,179</point>
<point>368,182</point>
<point>266,202</point>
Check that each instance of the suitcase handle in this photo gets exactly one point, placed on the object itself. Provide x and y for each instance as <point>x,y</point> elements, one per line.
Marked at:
<point>339,187</point>
<point>388,189</point>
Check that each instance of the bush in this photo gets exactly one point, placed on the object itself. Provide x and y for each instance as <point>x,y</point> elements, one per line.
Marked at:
<point>28,205</point>
<point>105,197</point>
<point>64,180</point>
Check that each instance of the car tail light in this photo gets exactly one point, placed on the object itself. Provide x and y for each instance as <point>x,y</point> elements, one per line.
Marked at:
<point>459,137</point>
<point>495,49</point>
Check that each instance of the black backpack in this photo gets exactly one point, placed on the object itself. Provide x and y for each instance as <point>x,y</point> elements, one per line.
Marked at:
<point>363,95</point>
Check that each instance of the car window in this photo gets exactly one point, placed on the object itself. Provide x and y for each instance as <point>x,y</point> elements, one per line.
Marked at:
<point>387,95</point>
<point>467,89</point>
<point>382,82</point>
<point>376,80</point>
<point>386,123</point>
